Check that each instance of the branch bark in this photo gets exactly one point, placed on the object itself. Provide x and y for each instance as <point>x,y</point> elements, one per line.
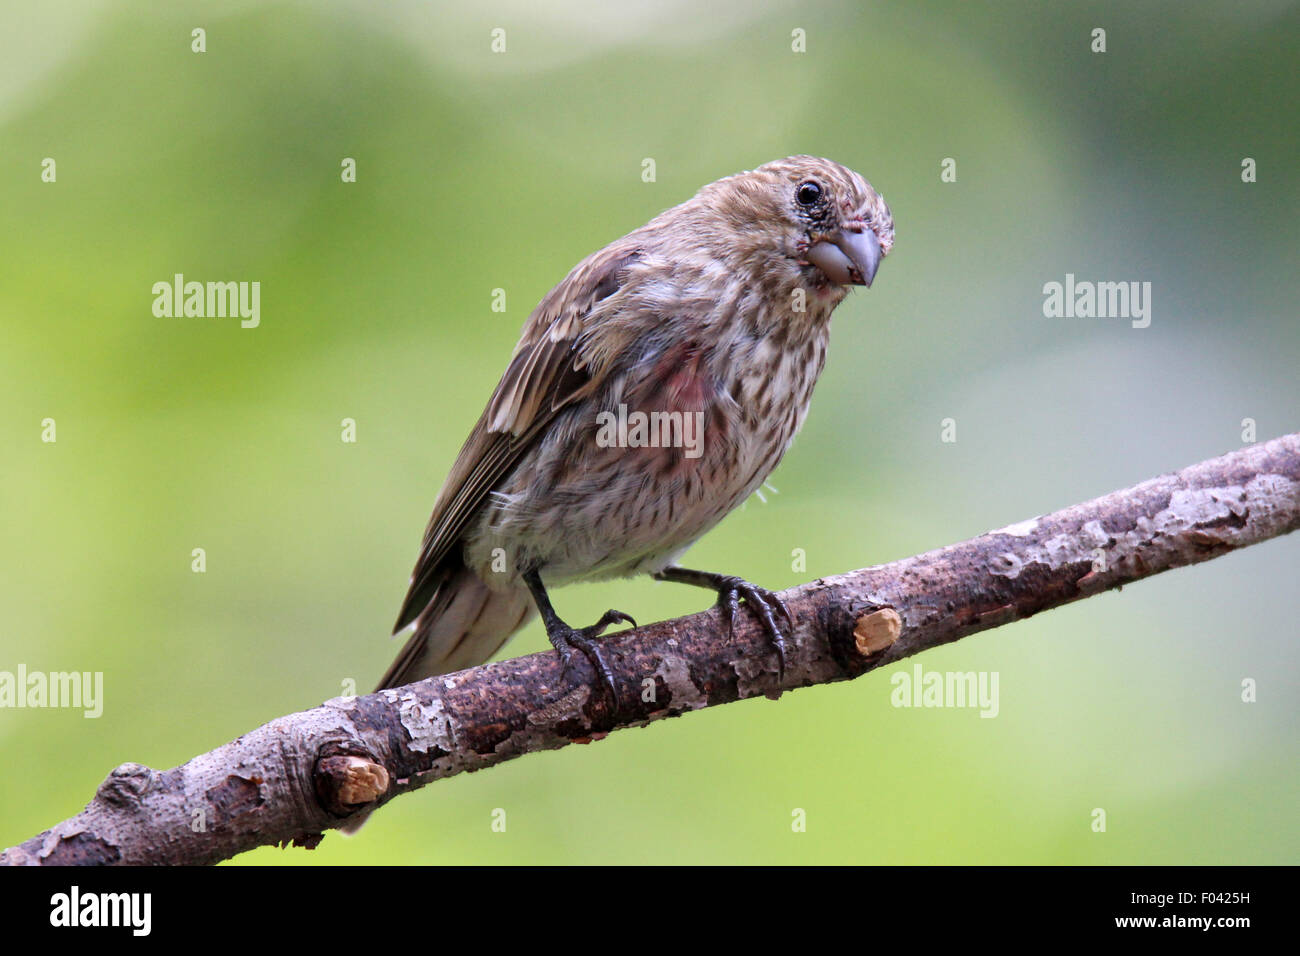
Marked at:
<point>295,777</point>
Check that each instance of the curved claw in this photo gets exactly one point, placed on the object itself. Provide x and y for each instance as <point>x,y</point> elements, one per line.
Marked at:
<point>729,602</point>
<point>589,649</point>
<point>611,617</point>
<point>764,604</point>
<point>583,639</point>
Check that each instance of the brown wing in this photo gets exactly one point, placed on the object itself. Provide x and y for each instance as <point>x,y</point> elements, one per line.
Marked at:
<point>548,371</point>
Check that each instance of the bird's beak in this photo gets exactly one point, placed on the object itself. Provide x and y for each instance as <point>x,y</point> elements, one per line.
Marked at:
<point>849,257</point>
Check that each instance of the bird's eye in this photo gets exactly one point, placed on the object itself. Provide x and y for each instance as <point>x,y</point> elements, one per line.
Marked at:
<point>808,193</point>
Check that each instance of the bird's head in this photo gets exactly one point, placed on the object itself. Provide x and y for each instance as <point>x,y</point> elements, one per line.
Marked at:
<point>821,218</point>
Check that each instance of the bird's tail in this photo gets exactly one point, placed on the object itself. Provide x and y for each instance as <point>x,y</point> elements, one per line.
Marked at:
<point>463,624</point>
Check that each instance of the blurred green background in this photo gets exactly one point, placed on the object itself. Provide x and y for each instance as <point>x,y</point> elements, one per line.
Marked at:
<point>479,170</point>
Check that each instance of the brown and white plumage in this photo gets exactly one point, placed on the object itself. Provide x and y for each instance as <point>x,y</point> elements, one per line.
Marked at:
<point>697,311</point>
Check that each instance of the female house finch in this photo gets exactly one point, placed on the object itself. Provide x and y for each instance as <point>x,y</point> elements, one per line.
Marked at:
<point>712,322</point>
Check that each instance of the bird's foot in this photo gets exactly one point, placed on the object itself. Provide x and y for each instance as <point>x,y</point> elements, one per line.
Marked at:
<point>565,639</point>
<point>731,591</point>
<point>766,607</point>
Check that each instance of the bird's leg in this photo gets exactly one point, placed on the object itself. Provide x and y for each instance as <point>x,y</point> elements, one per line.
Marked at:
<point>565,638</point>
<point>731,589</point>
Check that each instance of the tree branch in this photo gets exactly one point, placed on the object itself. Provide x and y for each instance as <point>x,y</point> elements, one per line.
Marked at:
<point>294,778</point>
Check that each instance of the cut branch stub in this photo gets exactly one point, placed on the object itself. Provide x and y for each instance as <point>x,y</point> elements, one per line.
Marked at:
<point>346,783</point>
<point>876,630</point>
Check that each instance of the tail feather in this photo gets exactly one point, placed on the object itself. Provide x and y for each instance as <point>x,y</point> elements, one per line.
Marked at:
<point>464,624</point>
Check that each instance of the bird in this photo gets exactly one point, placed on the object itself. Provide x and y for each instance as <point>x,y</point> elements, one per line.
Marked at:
<point>711,322</point>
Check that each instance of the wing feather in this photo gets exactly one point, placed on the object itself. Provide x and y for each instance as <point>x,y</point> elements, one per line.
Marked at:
<point>549,370</point>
